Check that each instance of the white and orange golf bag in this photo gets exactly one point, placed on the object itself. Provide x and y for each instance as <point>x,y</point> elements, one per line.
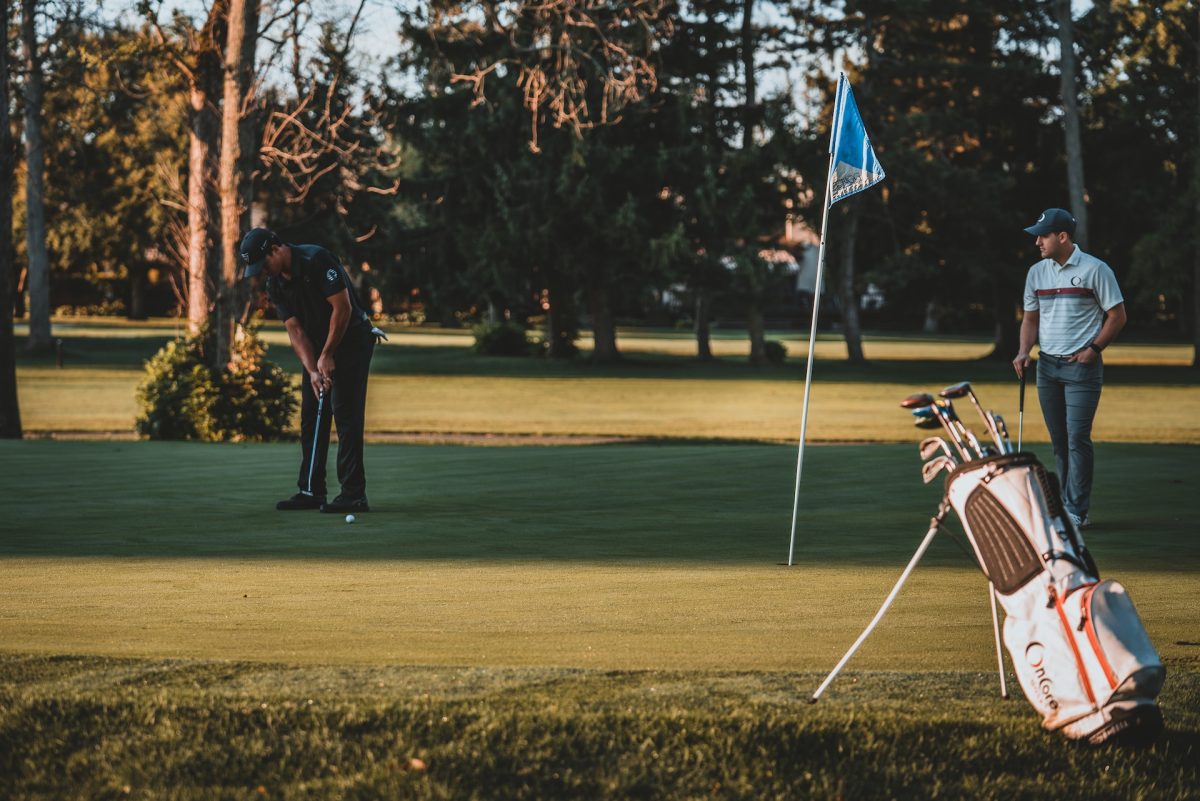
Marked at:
<point>1077,645</point>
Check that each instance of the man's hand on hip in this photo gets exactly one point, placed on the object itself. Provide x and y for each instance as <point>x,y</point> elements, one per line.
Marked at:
<point>1084,356</point>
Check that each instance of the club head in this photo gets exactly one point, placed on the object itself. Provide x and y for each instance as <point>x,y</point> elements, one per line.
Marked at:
<point>1002,430</point>
<point>916,401</point>
<point>959,390</point>
<point>925,411</point>
<point>928,423</point>
<point>930,469</point>
<point>931,446</point>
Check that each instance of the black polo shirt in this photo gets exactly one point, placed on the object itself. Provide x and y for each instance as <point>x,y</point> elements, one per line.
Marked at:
<point>316,275</point>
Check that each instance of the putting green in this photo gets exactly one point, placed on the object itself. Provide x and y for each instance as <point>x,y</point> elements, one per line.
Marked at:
<point>616,557</point>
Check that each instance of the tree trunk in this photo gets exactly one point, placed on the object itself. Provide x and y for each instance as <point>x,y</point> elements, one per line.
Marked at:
<point>849,297</point>
<point>703,339</point>
<point>202,143</point>
<point>40,338</point>
<point>138,280</point>
<point>751,83</point>
<point>230,173</point>
<point>1196,246</point>
<point>604,327</point>
<point>10,410</point>
<point>1070,98</point>
<point>757,332</point>
<point>560,320</point>
<point>201,262</point>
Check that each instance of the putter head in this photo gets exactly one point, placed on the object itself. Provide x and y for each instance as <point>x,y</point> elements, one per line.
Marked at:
<point>916,401</point>
<point>959,390</point>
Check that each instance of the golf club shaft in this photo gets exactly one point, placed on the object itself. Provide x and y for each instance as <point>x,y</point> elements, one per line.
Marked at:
<point>1021,412</point>
<point>312,454</point>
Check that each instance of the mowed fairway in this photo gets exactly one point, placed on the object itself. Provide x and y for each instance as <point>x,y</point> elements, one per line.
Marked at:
<point>615,557</point>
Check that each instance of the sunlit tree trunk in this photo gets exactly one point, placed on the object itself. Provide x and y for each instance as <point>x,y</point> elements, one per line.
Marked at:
<point>202,140</point>
<point>1070,98</point>
<point>237,69</point>
<point>10,410</point>
<point>35,210</point>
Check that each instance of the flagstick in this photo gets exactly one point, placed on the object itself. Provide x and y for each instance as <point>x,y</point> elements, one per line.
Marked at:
<point>812,341</point>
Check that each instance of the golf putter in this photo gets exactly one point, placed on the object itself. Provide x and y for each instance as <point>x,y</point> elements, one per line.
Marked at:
<point>312,454</point>
<point>1021,411</point>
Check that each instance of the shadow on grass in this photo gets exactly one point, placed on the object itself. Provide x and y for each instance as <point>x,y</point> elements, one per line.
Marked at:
<point>669,504</point>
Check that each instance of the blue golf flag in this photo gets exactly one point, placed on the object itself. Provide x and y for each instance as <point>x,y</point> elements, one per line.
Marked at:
<point>853,167</point>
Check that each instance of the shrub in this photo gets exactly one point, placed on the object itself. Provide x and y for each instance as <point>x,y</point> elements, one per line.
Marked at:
<point>500,339</point>
<point>182,397</point>
<point>774,351</point>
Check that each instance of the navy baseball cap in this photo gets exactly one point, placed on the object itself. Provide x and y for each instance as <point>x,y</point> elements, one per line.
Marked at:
<point>1052,221</point>
<point>254,248</point>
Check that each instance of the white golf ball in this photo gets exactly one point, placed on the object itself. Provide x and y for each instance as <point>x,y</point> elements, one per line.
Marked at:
<point>349,518</point>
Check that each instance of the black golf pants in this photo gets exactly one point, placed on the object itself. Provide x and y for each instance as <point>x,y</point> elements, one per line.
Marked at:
<point>345,404</point>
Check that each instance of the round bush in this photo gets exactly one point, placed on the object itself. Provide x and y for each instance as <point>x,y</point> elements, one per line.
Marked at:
<point>182,397</point>
<point>500,339</point>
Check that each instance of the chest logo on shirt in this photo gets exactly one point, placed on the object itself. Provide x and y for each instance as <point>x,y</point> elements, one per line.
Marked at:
<point>331,276</point>
<point>1076,280</point>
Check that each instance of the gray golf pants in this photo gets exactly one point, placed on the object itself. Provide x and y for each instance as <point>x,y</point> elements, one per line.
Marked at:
<point>1069,393</point>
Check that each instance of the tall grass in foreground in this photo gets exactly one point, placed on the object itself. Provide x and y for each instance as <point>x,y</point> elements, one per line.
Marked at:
<point>99,728</point>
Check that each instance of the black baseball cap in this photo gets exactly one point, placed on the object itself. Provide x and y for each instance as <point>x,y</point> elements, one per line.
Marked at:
<point>1052,221</point>
<point>254,248</point>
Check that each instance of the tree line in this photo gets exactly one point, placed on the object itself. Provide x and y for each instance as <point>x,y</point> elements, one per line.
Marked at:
<point>583,163</point>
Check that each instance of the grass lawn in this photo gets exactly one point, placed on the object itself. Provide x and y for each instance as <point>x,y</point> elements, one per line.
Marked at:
<point>559,622</point>
<point>540,622</point>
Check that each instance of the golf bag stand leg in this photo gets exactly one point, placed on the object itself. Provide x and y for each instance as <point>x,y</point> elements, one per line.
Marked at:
<point>943,509</point>
<point>996,632</point>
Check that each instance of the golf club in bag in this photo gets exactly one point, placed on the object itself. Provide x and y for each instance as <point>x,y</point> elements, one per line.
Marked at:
<point>1077,645</point>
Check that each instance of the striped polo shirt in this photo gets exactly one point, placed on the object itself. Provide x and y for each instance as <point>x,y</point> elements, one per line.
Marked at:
<point>1071,300</point>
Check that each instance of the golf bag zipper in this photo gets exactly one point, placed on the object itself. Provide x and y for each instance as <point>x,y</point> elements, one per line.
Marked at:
<point>1087,623</point>
<point>1057,601</point>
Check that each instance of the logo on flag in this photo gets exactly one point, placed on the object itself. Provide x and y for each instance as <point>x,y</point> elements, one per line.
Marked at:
<point>854,166</point>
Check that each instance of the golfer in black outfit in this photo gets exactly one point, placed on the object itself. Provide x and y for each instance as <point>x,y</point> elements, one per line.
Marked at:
<point>334,339</point>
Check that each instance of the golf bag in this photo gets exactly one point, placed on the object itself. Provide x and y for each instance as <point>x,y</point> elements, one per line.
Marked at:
<point>1077,645</point>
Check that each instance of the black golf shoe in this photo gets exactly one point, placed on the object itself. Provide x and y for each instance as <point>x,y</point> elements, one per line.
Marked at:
<point>343,505</point>
<point>300,501</point>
